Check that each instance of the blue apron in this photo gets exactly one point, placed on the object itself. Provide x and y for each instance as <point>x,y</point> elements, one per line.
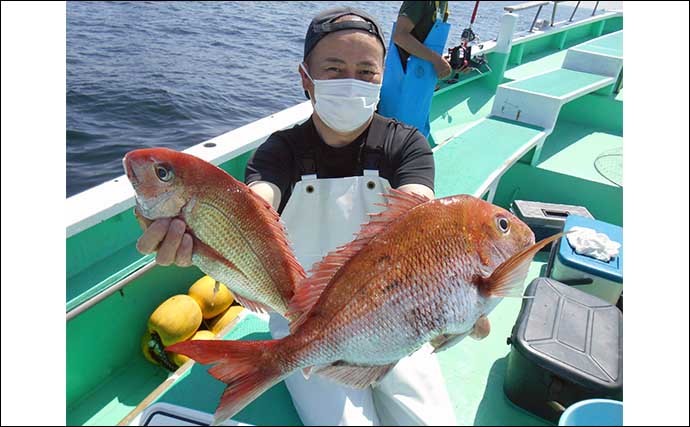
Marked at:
<point>406,96</point>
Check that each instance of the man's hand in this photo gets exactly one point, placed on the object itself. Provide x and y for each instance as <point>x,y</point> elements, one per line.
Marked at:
<point>166,236</point>
<point>442,67</point>
<point>481,328</point>
<point>403,37</point>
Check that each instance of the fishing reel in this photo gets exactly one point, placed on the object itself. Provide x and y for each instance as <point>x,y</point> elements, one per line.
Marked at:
<point>468,35</point>
<point>461,58</point>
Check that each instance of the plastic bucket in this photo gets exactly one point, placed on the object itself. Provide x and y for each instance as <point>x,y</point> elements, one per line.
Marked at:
<point>593,412</point>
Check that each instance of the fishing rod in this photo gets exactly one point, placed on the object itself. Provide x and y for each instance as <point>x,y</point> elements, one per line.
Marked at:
<point>467,34</point>
<point>461,55</point>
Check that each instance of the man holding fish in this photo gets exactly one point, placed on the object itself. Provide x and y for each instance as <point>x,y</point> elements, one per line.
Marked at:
<point>324,176</point>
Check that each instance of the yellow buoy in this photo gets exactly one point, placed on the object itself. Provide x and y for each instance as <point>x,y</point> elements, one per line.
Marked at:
<point>222,320</point>
<point>213,297</point>
<point>180,359</point>
<point>176,319</point>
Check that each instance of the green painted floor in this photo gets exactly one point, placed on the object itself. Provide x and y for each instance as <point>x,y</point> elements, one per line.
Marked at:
<point>572,150</point>
<point>531,66</point>
<point>464,164</point>
<point>611,45</point>
<point>457,109</point>
<point>117,396</point>
<point>559,83</point>
<point>457,79</point>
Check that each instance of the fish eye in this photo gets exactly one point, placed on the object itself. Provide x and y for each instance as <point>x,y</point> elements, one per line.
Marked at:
<point>164,173</point>
<point>503,224</point>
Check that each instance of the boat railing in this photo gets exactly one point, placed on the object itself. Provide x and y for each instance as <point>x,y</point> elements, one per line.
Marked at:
<point>114,196</point>
<point>572,15</point>
<point>526,6</point>
<point>539,5</point>
<point>596,5</point>
<point>94,300</point>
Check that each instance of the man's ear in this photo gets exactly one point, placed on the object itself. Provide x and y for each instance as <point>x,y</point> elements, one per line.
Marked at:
<point>307,85</point>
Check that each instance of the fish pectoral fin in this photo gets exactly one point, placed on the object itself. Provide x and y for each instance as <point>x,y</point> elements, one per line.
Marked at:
<point>204,250</point>
<point>446,341</point>
<point>355,376</point>
<point>507,279</point>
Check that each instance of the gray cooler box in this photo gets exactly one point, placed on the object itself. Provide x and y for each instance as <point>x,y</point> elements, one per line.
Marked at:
<point>566,346</point>
<point>545,219</point>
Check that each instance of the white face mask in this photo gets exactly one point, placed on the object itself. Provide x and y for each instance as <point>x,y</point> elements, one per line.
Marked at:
<point>344,104</point>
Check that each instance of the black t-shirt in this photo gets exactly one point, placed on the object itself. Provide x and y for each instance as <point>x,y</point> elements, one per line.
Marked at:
<point>406,157</point>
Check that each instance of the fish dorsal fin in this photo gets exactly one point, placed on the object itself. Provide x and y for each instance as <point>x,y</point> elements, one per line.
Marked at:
<point>252,305</point>
<point>310,289</point>
<point>507,278</point>
<point>353,375</point>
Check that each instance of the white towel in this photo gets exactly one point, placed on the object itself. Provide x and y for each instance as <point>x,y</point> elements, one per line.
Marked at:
<point>589,242</point>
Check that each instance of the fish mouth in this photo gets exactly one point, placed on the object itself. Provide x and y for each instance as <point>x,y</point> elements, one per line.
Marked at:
<point>130,172</point>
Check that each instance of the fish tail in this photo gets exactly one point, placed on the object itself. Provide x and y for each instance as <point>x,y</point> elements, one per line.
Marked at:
<point>507,278</point>
<point>249,368</point>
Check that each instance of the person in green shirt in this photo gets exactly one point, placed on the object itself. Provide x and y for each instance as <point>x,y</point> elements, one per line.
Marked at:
<point>415,62</point>
<point>415,20</point>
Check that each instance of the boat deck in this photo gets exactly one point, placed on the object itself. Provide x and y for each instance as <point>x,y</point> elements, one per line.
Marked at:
<point>573,150</point>
<point>537,64</point>
<point>464,166</point>
<point>459,109</point>
<point>121,392</point>
<point>609,45</point>
<point>560,83</point>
